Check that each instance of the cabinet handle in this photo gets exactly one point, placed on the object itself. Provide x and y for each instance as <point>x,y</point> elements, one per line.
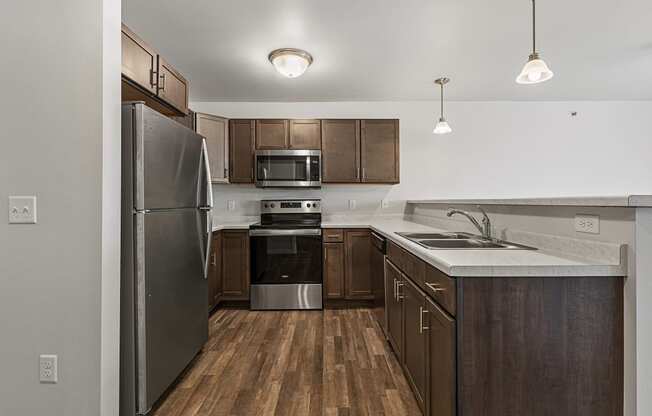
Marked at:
<point>357,173</point>
<point>152,77</point>
<point>213,260</point>
<point>161,85</point>
<point>395,291</point>
<point>435,287</point>
<point>364,173</point>
<point>421,327</point>
<point>398,291</point>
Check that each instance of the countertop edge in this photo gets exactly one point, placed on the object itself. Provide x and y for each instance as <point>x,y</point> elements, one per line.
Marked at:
<point>624,201</point>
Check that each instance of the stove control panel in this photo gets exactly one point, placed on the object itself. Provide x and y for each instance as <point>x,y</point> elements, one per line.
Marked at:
<point>290,206</point>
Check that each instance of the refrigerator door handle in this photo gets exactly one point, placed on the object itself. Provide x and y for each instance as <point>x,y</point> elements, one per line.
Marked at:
<point>208,209</point>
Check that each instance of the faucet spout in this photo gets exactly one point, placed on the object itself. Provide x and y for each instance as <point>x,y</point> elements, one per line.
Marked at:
<point>485,228</point>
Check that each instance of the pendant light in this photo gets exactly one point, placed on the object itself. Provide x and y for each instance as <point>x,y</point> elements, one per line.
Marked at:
<point>535,70</point>
<point>442,126</point>
<point>290,62</point>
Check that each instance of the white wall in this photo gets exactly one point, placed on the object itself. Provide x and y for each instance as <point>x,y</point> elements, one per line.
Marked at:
<point>52,147</point>
<point>497,149</point>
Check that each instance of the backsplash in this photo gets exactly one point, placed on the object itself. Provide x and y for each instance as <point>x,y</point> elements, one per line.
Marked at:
<point>335,199</point>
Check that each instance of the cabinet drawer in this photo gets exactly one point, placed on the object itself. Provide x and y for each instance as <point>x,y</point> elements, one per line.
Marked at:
<point>409,264</point>
<point>441,288</point>
<point>333,235</point>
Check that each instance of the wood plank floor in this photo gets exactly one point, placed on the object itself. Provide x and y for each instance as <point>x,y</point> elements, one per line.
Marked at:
<point>332,362</point>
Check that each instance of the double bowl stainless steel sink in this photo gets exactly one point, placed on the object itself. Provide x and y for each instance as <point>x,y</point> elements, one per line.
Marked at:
<point>460,241</point>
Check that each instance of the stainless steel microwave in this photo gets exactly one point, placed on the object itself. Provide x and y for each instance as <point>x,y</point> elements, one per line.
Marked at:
<point>288,168</point>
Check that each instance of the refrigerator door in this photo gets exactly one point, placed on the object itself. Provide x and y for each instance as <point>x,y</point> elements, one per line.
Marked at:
<point>172,318</point>
<point>167,162</point>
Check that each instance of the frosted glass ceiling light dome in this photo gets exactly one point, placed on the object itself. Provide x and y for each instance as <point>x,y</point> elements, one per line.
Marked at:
<point>442,126</point>
<point>535,70</point>
<point>290,62</point>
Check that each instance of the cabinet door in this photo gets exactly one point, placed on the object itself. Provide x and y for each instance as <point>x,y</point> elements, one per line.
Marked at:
<point>340,151</point>
<point>216,131</point>
<point>271,134</point>
<point>305,134</point>
<point>415,340</point>
<point>358,264</point>
<point>379,149</point>
<point>172,86</point>
<point>218,285</point>
<point>241,151</point>
<point>138,60</point>
<point>442,398</point>
<point>393,308</point>
<point>334,270</point>
<point>235,265</point>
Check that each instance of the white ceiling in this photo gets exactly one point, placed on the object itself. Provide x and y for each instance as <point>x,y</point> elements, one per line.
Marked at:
<point>394,49</point>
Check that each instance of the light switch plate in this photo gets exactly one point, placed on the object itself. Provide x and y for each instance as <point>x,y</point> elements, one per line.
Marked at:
<point>586,223</point>
<point>22,210</point>
<point>48,368</point>
<point>230,205</point>
<point>384,204</point>
<point>352,204</point>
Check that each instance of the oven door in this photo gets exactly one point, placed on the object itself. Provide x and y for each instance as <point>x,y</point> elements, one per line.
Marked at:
<point>288,168</point>
<point>281,257</point>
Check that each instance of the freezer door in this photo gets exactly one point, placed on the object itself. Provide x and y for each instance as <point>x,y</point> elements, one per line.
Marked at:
<point>172,321</point>
<point>168,162</point>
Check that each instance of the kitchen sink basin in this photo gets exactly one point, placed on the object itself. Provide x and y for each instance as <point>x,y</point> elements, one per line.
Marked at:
<point>436,236</point>
<point>460,241</point>
<point>460,244</point>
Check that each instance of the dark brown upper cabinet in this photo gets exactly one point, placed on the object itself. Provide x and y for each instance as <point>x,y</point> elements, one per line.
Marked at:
<point>139,61</point>
<point>172,86</point>
<point>305,134</point>
<point>216,132</point>
<point>272,134</point>
<point>379,151</point>
<point>340,151</point>
<point>241,151</point>
<point>148,77</point>
<point>358,264</point>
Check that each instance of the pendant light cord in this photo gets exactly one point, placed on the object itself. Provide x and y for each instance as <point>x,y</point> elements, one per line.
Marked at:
<point>534,28</point>
<point>442,100</point>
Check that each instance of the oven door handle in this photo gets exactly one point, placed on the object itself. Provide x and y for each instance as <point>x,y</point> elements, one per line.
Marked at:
<point>272,233</point>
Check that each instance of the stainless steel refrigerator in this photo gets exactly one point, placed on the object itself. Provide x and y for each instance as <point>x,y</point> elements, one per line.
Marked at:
<point>166,236</point>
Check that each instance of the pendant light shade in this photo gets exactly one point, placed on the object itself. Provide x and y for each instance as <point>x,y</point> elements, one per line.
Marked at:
<point>535,70</point>
<point>290,62</point>
<point>442,126</point>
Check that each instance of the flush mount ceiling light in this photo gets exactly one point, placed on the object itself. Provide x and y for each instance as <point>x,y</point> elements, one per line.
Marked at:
<point>290,62</point>
<point>442,126</point>
<point>535,70</point>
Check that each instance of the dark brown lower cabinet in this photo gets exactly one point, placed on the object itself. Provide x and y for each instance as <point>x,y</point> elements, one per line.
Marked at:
<point>415,340</point>
<point>235,265</point>
<point>215,272</point>
<point>333,270</point>
<point>358,264</point>
<point>441,395</point>
<point>394,308</point>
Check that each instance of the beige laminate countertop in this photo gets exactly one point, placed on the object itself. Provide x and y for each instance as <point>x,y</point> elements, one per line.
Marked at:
<point>466,262</point>
<point>479,262</point>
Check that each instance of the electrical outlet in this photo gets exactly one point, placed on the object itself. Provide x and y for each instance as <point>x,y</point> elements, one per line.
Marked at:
<point>585,223</point>
<point>48,371</point>
<point>230,205</point>
<point>384,204</point>
<point>22,210</point>
<point>352,204</point>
